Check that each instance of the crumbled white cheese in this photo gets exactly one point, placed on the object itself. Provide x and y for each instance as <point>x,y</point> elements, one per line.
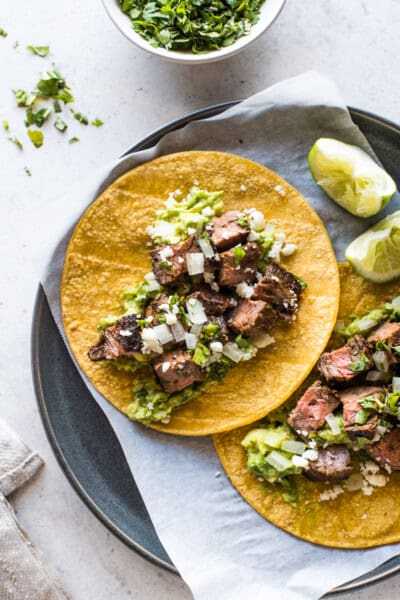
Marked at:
<point>257,220</point>
<point>171,319</point>
<point>364,516</point>
<point>165,366</point>
<point>191,230</point>
<point>150,341</point>
<point>165,421</point>
<point>218,474</point>
<point>164,306</point>
<point>280,190</point>
<point>354,482</point>
<point>244,290</point>
<point>299,461</point>
<point>331,494</point>
<point>243,188</point>
<point>263,339</point>
<point>181,259</point>
<point>166,253</point>
<point>253,236</point>
<point>310,455</point>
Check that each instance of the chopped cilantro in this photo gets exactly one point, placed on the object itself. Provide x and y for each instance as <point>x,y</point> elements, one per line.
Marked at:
<point>238,255</point>
<point>60,124</point>
<point>165,264</point>
<point>201,354</point>
<point>57,106</point>
<point>73,140</point>
<point>80,117</point>
<point>218,369</point>
<point>242,342</point>
<point>97,122</point>
<point>36,137</point>
<point>16,44</point>
<point>53,85</point>
<point>381,345</point>
<point>3,32</point>
<point>6,125</point>
<point>27,171</point>
<point>24,98</point>
<point>362,416</point>
<point>192,24</point>
<point>360,365</point>
<point>302,283</point>
<point>41,51</point>
<point>243,221</point>
<point>37,118</point>
<point>16,141</point>
<point>211,330</point>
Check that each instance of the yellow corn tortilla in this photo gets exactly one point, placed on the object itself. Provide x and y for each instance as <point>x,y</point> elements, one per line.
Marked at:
<point>352,520</point>
<point>108,252</point>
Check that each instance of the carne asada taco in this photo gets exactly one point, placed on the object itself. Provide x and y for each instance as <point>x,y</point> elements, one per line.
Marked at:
<point>325,466</point>
<point>192,285</point>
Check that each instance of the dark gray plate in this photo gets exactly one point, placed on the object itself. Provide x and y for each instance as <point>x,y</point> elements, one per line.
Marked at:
<point>83,442</point>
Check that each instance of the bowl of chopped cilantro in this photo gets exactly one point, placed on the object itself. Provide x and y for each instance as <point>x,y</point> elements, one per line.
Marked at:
<point>194,31</point>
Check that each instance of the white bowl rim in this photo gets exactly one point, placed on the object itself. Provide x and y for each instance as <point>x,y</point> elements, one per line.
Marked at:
<point>270,10</point>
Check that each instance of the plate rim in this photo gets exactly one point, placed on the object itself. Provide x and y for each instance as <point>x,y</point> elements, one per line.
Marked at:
<point>39,304</point>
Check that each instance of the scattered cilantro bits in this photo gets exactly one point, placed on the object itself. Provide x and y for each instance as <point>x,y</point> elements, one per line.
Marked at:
<point>16,141</point>
<point>28,171</point>
<point>196,25</point>
<point>37,118</point>
<point>73,140</point>
<point>80,117</point>
<point>60,124</point>
<point>97,122</point>
<point>41,51</point>
<point>6,125</point>
<point>36,137</point>
<point>3,32</point>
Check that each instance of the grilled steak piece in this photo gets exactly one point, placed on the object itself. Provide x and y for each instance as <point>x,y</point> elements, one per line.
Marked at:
<point>153,309</point>
<point>251,317</point>
<point>388,332</point>
<point>215,303</point>
<point>350,400</point>
<point>310,411</point>
<point>386,452</point>
<point>281,290</point>
<point>333,463</point>
<point>169,262</point>
<point>122,339</point>
<point>236,269</point>
<point>335,366</point>
<point>226,231</point>
<point>176,370</point>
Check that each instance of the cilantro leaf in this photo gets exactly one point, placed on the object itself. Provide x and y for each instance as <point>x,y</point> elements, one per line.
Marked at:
<point>6,125</point>
<point>73,140</point>
<point>27,171</point>
<point>36,137</point>
<point>37,118</point>
<point>80,117</point>
<point>41,51</point>
<point>361,364</point>
<point>57,106</point>
<point>3,33</point>
<point>97,122</point>
<point>16,141</point>
<point>238,255</point>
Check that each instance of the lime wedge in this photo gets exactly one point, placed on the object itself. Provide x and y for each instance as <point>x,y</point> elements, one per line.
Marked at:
<point>350,177</point>
<point>375,254</point>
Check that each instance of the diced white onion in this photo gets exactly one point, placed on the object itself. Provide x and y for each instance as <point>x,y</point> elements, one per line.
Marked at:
<point>257,220</point>
<point>196,329</point>
<point>216,347</point>
<point>262,340</point>
<point>166,253</point>
<point>152,282</point>
<point>396,384</point>
<point>206,248</point>
<point>293,446</point>
<point>195,310</point>
<point>178,331</point>
<point>233,352</point>
<point>311,454</point>
<point>162,229</point>
<point>191,340</point>
<point>171,319</point>
<point>375,376</point>
<point>299,461</point>
<point>195,263</point>
<point>366,324</point>
<point>149,337</point>
<point>163,333</point>
<point>278,461</point>
<point>269,229</point>
<point>333,423</point>
<point>396,303</point>
<point>289,249</point>
<point>381,361</point>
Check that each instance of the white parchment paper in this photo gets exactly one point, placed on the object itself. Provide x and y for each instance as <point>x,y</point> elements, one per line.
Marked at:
<point>223,549</point>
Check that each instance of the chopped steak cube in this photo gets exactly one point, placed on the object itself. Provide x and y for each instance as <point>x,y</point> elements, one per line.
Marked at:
<point>386,452</point>
<point>169,262</point>
<point>251,317</point>
<point>226,231</point>
<point>239,265</point>
<point>333,463</point>
<point>388,333</point>
<point>281,290</point>
<point>122,339</point>
<point>340,365</point>
<point>176,370</point>
<point>215,303</point>
<point>350,399</point>
<point>310,411</point>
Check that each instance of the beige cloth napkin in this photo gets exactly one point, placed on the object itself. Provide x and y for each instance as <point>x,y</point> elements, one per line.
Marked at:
<point>24,574</point>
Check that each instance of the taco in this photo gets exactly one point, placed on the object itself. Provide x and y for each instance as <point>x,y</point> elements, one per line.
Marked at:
<point>325,466</point>
<point>183,293</point>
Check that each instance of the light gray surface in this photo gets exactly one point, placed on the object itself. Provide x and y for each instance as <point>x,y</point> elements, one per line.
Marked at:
<point>356,43</point>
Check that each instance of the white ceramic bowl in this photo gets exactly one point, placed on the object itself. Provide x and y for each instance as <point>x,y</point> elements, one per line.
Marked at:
<point>269,12</point>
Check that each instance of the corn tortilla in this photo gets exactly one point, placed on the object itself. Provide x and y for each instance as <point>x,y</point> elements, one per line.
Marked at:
<point>352,520</point>
<point>108,252</point>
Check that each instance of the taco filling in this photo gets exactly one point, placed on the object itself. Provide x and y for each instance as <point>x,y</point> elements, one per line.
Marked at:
<point>212,299</point>
<point>348,418</point>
